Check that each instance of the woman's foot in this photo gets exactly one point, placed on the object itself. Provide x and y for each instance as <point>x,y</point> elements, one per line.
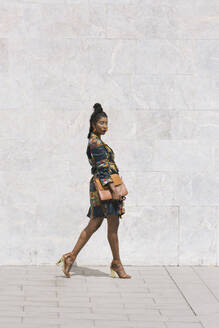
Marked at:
<point>66,261</point>
<point>117,267</point>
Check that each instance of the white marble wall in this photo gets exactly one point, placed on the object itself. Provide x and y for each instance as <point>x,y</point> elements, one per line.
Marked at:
<point>154,67</point>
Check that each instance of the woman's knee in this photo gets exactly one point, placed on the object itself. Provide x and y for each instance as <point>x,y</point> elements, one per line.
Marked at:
<point>113,222</point>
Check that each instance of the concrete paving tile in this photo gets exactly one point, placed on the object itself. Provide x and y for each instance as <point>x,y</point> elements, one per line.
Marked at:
<point>123,311</point>
<point>109,297</point>
<point>73,281</point>
<point>75,309</point>
<point>39,289</point>
<point>206,308</point>
<point>32,325</point>
<point>143,300</point>
<point>148,324</point>
<point>175,312</point>
<point>94,316</point>
<point>16,325</point>
<point>160,282</point>
<point>49,299</point>
<point>126,294</point>
<point>40,283</point>
<point>145,305</point>
<point>146,302</point>
<point>111,310</point>
<point>36,290</point>
<point>119,306</point>
<point>28,320</point>
<point>183,325</point>
<point>10,319</point>
<point>12,282</point>
<point>172,306</point>
<point>45,303</point>
<point>17,267</point>
<point>101,294</point>
<point>74,323</point>
<point>11,302</point>
<point>75,277</point>
<point>73,298</point>
<point>40,308</point>
<point>210,321</point>
<point>132,289</point>
<point>77,287</point>
<point>107,306</point>
<point>169,300</point>
<point>119,301</point>
<point>167,293</point>
<point>10,285</point>
<point>70,290</point>
<point>69,309</point>
<point>165,288</point>
<point>12,275</point>
<point>148,315</point>
<point>11,293</point>
<point>68,284</point>
<point>34,315</point>
<point>39,297</point>
<point>37,277</point>
<point>183,318</point>
<point>5,307</point>
<point>12,313</point>
<point>70,303</point>
<point>102,281</point>
<point>129,324</point>
<point>107,289</point>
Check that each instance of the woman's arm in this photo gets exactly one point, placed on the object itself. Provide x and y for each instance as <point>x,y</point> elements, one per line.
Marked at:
<point>99,153</point>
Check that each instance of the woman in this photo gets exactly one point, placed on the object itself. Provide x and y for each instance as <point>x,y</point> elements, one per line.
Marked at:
<point>101,159</point>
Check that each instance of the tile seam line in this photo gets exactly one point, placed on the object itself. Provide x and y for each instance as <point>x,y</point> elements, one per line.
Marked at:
<point>180,291</point>
<point>196,273</point>
<point>85,36</point>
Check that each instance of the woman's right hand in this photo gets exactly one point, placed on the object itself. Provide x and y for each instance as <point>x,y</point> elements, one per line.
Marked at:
<point>116,195</point>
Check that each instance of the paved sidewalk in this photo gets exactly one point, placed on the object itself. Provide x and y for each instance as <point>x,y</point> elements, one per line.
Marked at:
<point>155,297</point>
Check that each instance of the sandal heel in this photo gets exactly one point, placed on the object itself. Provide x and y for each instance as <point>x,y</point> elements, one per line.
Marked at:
<point>112,273</point>
<point>60,262</point>
<point>117,267</point>
<point>63,263</point>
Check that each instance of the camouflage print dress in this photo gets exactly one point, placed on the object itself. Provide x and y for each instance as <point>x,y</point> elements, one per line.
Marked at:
<point>101,158</point>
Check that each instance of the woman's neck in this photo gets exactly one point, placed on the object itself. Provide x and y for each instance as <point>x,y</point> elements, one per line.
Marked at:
<point>97,135</point>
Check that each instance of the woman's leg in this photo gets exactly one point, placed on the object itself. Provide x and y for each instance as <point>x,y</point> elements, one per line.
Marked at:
<point>112,235</point>
<point>85,235</point>
<point>116,265</point>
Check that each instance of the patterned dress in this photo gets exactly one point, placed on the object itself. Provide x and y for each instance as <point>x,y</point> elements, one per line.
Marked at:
<point>101,158</point>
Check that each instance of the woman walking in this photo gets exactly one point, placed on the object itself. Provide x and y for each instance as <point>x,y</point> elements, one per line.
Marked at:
<point>101,159</point>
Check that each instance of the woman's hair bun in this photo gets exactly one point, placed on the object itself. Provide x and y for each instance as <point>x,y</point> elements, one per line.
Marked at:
<point>97,108</point>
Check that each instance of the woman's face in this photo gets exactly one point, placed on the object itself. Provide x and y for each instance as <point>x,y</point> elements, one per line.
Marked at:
<point>101,125</point>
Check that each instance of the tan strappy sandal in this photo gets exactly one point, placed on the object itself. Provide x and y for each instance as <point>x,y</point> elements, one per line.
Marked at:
<point>63,262</point>
<point>117,267</point>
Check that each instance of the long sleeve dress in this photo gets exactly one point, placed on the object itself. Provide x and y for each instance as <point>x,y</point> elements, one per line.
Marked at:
<point>101,158</point>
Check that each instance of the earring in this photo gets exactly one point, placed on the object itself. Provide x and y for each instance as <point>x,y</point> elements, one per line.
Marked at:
<point>94,130</point>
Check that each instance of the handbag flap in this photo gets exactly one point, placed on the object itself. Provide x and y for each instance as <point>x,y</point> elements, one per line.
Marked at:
<point>97,180</point>
<point>117,180</point>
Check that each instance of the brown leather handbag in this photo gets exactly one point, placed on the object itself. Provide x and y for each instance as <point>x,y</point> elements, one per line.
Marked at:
<point>104,192</point>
